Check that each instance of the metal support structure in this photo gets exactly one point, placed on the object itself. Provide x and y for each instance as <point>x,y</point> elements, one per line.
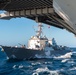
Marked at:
<point>31,12</point>
<point>53,12</point>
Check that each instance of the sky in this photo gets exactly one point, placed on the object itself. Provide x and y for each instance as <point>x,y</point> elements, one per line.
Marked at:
<point>19,30</point>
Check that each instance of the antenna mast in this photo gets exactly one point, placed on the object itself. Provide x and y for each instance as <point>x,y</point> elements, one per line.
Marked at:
<point>39,32</point>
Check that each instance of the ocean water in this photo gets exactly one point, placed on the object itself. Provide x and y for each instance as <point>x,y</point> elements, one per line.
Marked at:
<point>52,66</point>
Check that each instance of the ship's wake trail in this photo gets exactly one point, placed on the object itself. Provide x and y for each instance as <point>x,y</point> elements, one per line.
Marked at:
<point>67,55</point>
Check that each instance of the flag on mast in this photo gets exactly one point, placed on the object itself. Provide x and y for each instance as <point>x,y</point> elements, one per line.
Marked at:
<point>48,26</point>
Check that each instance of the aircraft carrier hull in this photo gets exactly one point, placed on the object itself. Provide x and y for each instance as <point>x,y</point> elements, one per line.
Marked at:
<point>23,53</point>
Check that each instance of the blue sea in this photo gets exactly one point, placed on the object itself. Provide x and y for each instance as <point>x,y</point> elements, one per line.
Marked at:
<point>52,66</point>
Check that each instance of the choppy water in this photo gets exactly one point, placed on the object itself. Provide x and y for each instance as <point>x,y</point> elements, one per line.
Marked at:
<point>51,66</point>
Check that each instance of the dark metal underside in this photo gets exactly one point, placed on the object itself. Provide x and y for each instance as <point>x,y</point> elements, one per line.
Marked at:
<point>18,5</point>
<point>24,4</point>
<point>47,18</point>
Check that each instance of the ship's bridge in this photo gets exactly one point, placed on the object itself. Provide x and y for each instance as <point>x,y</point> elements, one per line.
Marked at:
<point>39,10</point>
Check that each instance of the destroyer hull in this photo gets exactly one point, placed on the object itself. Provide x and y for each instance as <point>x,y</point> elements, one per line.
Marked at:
<point>23,53</point>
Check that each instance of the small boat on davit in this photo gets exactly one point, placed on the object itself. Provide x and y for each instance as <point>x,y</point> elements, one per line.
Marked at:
<point>39,46</point>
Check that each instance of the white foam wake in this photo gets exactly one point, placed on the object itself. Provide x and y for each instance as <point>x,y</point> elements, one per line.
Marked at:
<point>64,60</point>
<point>74,68</point>
<point>67,55</point>
<point>18,66</point>
<point>43,70</point>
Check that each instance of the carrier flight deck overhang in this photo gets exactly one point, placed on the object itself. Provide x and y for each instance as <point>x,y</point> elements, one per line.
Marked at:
<point>58,13</point>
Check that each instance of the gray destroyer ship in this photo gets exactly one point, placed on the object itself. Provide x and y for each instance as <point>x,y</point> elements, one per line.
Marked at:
<point>39,46</point>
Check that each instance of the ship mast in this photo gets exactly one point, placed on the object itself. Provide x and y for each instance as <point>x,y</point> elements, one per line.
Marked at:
<point>39,32</point>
